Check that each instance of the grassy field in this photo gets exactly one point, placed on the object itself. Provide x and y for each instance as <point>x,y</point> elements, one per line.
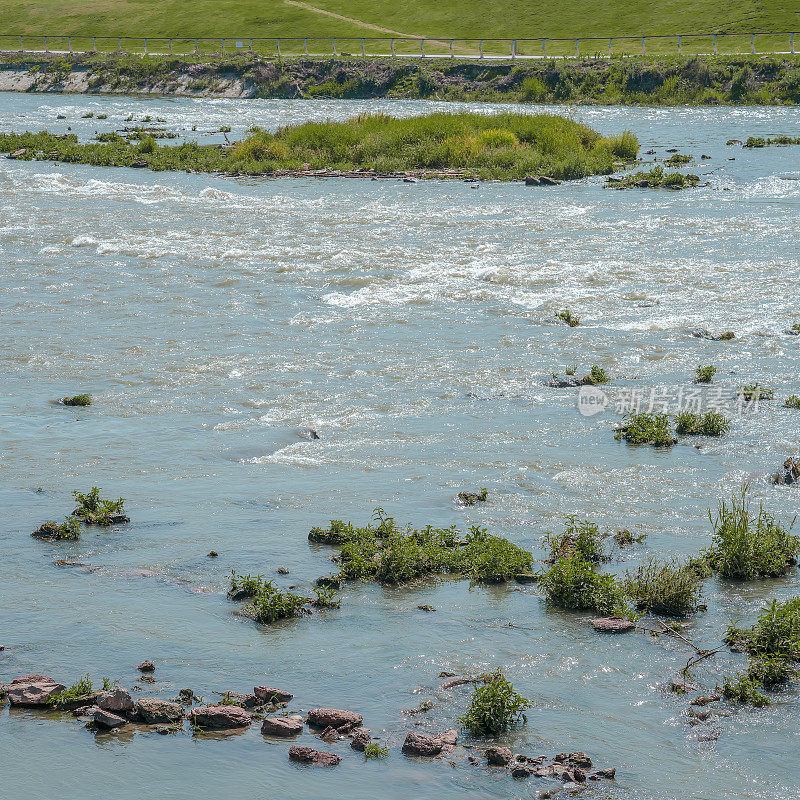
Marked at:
<point>516,19</point>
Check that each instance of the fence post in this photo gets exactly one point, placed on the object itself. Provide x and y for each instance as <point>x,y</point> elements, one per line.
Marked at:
<point>753,44</point>
<point>480,47</point>
<point>544,52</point>
<point>643,53</point>
<point>715,44</point>
<point>680,51</point>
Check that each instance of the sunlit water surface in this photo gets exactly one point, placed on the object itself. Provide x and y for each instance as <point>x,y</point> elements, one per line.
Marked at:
<point>413,327</point>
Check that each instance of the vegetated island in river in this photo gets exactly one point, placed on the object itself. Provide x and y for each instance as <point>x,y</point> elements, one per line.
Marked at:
<point>623,80</point>
<point>439,145</point>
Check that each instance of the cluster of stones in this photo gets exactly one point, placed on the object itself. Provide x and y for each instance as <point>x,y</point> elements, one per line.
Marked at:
<point>567,767</point>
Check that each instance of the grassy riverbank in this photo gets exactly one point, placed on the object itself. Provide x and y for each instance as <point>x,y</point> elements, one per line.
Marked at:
<point>642,80</point>
<point>505,146</point>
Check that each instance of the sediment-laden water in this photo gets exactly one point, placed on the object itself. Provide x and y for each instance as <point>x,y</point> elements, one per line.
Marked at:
<point>412,326</point>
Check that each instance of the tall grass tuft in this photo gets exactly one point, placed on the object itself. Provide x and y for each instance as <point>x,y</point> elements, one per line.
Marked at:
<point>671,588</point>
<point>494,707</point>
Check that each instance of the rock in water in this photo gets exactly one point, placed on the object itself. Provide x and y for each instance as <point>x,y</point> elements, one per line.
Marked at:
<point>613,625</point>
<point>361,739</point>
<point>281,726</point>
<point>266,694</point>
<point>219,718</point>
<point>498,756</point>
<point>308,755</point>
<point>32,690</point>
<point>153,711</point>
<point>333,717</point>
<point>422,744</point>
<point>146,666</point>
<point>105,719</point>
<point>116,699</point>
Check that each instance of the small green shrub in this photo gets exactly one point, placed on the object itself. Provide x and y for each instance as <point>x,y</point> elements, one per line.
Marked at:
<point>655,178</point>
<point>776,633</point>
<point>93,510</point>
<point>624,538</point>
<point>568,317</point>
<point>575,585</point>
<point>68,531</point>
<point>712,423</point>
<point>78,400</point>
<point>664,587</point>
<point>646,428</point>
<point>249,585</point>
<point>745,546</point>
<point>744,690</point>
<point>67,698</point>
<point>676,159</point>
<point>792,402</point>
<point>326,598</point>
<point>705,374</point>
<point>374,750</point>
<point>580,538</point>
<point>273,605</point>
<point>755,391</point>
<point>494,707</point>
<point>596,376</point>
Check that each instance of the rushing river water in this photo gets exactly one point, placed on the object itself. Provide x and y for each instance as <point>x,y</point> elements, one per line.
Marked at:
<point>412,326</point>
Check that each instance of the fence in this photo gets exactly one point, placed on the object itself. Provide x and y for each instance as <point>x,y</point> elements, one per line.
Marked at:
<point>405,47</point>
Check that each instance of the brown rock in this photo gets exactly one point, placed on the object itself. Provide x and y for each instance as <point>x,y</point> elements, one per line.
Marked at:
<point>146,666</point>
<point>459,680</point>
<point>704,700</point>
<point>450,738</point>
<point>422,744</point>
<point>219,718</point>
<point>573,760</point>
<point>153,711</point>
<point>308,755</point>
<point>281,726</point>
<point>32,690</point>
<point>330,734</point>
<point>116,699</point>
<point>333,717</point>
<point>498,756</point>
<point>105,719</point>
<point>361,739</point>
<point>267,694</point>
<point>613,625</point>
<point>521,771</point>
<point>600,774</point>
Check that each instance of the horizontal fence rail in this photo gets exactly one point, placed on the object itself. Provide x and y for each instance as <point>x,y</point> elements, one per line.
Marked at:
<point>411,46</point>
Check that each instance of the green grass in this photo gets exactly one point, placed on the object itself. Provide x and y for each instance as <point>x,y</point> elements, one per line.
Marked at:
<point>580,538</point>
<point>67,698</point>
<point>646,428</point>
<point>499,18</point>
<point>568,317</point>
<point>494,707</point>
<point>664,587</point>
<point>705,374</point>
<point>655,178</point>
<point>387,554</point>
<point>712,423</point>
<point>467,142</point>
<point>78,400</point>
<point>68,531</point>
<point>596,377</point>
<point>758,141</point>
<point>753,392</point>
<point>374,750</point>
<point>792,402</point>
<point>94,510</point>
<point>576,585</point>
<point>747,545</point>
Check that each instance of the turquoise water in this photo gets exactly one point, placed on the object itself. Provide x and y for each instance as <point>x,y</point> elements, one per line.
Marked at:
<point>412,326</point>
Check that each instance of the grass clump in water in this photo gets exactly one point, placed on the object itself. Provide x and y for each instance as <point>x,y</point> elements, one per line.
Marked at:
<point>752,392</point>
<point>77,400</point>
<point>748,546</point>
<point>664,587</point>
<point>596,377</point>
<point>646,428</point>
<point>271,605</point>
<point>374,750</point>
<point>69,697</point>
<point>579,538</point>
<point>575,584</point>
<point>388,554</point>
<point>568,317</point>
<point>792,402</point>
<point>94,510</point>
<point>773,647</point>
<point>656,178</point>
<point>494,707</point>
<point>504,146</point>
<point>677,159</point>
<point>705,374</point>
<point>712,423</point>
<point>68,531</point>
<point>326,598</point>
